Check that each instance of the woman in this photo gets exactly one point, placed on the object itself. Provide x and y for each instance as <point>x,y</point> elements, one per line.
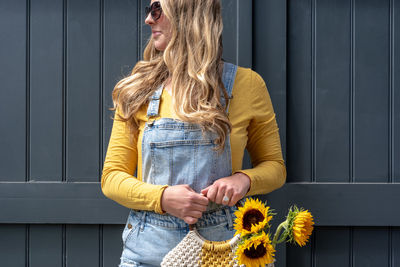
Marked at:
<point>178,124</point>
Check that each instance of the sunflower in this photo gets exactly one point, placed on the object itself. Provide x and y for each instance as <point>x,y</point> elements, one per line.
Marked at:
<point>256,251</point>
<point>252,217</point>
<point>300,226</point>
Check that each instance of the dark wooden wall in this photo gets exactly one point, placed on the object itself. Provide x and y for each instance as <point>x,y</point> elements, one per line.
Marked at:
<point>330,67</point>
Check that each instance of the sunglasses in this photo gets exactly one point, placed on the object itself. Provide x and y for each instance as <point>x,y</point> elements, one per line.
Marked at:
<point>155,10</point>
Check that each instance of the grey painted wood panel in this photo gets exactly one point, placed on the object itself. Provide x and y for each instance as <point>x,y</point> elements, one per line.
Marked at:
<point>332,91</point>
<point>13,245</point>
<point>83,90</point>
<point>299,156</point>
<point>46,90</point>
<point>299,256</point>
<point>60,203</point>
<point>90,62</point>
<point>13,92</point>
<point>19,203</point>
<point>371,90</point>
<point>370,247</point>
<point>229,35</point>
<point>366,204</point>
<point>396,93</point>
<point>45,245</point>
<point>245,33</point>
<point>332,246</point>
<point>112,244</point>
<point>82,246</point>
<point>394,246</point>
<point>121,50</point>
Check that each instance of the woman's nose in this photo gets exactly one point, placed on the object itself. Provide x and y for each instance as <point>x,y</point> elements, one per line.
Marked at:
<point>149,19</point>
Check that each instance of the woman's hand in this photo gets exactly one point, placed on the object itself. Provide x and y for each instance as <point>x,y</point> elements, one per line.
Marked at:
<point>228,190</point>
<point>183,202</point>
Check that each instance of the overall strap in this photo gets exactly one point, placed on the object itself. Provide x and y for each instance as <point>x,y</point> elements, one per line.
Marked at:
<point>228,78</point>
<point>154,104</point>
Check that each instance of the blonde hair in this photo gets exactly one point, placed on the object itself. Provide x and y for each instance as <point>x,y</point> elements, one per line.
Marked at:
<point>192,59</point>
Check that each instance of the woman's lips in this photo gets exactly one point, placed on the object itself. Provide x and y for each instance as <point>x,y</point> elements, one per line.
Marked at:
<point>156,33</point>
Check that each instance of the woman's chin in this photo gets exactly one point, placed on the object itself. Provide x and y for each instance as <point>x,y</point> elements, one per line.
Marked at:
<point>160,44</point>
<point>160,48</point>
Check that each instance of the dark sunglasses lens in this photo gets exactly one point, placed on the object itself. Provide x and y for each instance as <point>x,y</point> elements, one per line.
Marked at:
<point>155,5</point>
<point>155,10</point>
<point>156,13</point>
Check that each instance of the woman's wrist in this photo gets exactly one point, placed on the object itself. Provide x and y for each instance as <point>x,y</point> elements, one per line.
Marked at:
<point>244,177</point>
<point>161,200</point>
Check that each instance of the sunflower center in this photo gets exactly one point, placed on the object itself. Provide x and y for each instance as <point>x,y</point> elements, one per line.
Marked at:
<point>254,253</point>
<point>252,217</point>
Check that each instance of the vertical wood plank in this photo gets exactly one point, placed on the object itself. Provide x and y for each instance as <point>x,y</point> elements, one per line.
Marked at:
<point>45,246</point>
<point>112,244</point>
<point>395,249</point>
<point>120,52</point>
<point>332,90</point>
<point>12,245</point>
<point>352,93</point>
<point>396,92</point>
<point>371,90</point>
<point>13,36</point>
<point>245,33</point>
<point>299,91</point>
<point>46,90</point>
<point>82,246</point>
<point>230,32</point>
<point>332,246</point>
<point>83,90</point>
<point>299,256</point>
<point>370,247</point>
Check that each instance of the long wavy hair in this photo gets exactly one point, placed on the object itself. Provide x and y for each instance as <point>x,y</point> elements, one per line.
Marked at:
<point>192,59</point>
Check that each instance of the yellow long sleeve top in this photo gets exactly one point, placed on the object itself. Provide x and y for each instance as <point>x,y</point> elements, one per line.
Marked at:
<point>253,127</point>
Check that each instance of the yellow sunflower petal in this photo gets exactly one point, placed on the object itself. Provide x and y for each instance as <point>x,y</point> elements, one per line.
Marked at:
<point>256,251</point>
<point>302,227</point>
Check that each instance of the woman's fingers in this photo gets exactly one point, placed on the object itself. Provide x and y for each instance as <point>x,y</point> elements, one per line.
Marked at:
<point>204,192</point>
<point>182,202</point>
<point>190,220</point>
<point>228,190</point>
<point>220,194</point>
<point>235,198</point>
<point>227,199</point>
<point>199,199</point>
<point>199,207</point>
<point>212,192</point>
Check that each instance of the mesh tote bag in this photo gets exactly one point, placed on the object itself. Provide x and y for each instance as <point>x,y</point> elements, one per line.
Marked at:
<point>194,250</point>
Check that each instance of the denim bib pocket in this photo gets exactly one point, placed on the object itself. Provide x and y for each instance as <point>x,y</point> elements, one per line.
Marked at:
<point>190,161</point>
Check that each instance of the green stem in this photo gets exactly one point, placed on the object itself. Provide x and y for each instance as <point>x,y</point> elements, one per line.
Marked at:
<point>278,232</point>
<point>282,239</point>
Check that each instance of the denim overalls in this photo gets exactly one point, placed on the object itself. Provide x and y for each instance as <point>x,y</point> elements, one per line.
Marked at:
<point>176,152</point>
